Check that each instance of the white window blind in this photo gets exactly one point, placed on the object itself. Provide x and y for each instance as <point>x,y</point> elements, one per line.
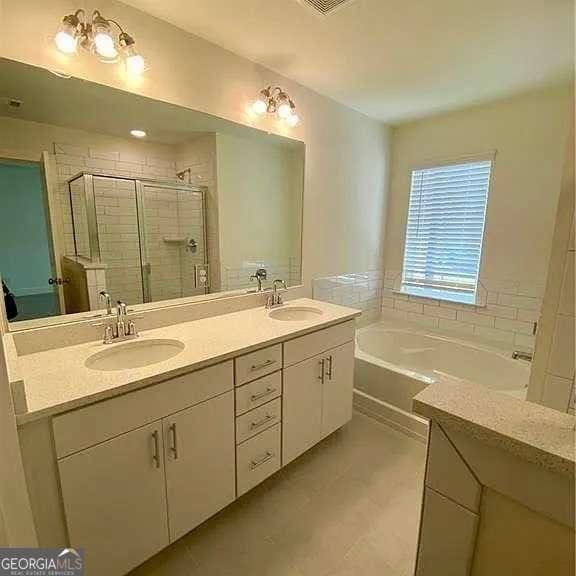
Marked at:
<point>445,229</point>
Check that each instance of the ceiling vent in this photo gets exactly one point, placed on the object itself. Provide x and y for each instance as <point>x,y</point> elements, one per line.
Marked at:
<point>325,7</point>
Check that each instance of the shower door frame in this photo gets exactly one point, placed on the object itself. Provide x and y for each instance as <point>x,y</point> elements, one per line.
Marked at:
<point>140,184</point>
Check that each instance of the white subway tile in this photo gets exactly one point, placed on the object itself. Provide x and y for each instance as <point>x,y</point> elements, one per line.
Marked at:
<point>524,341</point>
<point>514,326</point>
<point>498,311</point>
<point>104,154</point>
<point>561,361</point>
<point>492,297</point>
<point>519,301</point>
<point>394,314</point>
<point>408,306</point>
<point>566,305</point>
<point>474,318</point>
<point>99,164</point>
<point>440,312</point>
<point>387,302</point>
<point>70,149</point>
<point>533,289</point>
<point>557,392</point>
<point>528,315</point>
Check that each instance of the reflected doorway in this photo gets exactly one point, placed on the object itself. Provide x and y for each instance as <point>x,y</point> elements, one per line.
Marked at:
<point>26,259</point>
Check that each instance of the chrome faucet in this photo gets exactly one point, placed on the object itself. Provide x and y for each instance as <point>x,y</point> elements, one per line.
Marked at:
<point>275,299</point>
<point>259,275</point>
<point>122,329</point>
<point>108,299</point>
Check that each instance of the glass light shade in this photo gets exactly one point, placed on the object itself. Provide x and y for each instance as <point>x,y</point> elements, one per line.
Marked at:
<point>138,133</point>
<point>104,45</point>
<point>293,120</point>
<point>135,64</point>
<point>284,110</point>
<point>260,106</point>
<point>66,40</point>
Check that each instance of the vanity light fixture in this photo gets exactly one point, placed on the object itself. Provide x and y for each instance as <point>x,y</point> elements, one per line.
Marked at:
<point>97,37</point>
<point>276,101</point>
<point>138,133</point>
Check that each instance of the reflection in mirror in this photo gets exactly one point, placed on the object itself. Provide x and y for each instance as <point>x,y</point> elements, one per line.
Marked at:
<point>198,207</point>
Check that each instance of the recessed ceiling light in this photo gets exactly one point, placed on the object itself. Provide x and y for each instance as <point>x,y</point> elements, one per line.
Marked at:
<point>138,133</point>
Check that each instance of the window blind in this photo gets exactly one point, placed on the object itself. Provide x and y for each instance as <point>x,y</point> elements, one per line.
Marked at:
<point>445,226</point>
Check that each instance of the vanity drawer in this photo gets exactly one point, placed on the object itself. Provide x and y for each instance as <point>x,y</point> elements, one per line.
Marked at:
<point>258,458</point>
<point>257,420</point>
<point>315,343</point>
<point>258,392</point>
<point>258,364</point>
<point>79,429</point>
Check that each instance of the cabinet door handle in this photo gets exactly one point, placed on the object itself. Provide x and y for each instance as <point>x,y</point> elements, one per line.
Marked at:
<point>321,363</point>
<point>329,374</point>
<point>258,462</point>
<point>262,394</point>
<point>156,449</point>
<point>174,446</point>
<point>265,420</point>
<point>265,364</point>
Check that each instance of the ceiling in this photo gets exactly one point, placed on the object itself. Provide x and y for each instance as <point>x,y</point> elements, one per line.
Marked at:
<point>393,60</point>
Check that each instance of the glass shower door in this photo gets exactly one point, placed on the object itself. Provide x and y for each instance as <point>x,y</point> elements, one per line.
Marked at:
<point>118,237</point>
<point>174,253</point>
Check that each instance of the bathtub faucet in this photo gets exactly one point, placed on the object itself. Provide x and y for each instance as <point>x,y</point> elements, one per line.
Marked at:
<point>519,355</point>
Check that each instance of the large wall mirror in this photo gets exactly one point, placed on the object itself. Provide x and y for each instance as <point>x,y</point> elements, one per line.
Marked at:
<point>197,207</point>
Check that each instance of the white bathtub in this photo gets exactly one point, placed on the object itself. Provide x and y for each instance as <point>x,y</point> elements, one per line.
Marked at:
<point>394,363</point>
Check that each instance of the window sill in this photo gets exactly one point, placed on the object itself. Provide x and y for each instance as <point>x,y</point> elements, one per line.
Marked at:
<point>472,300</point>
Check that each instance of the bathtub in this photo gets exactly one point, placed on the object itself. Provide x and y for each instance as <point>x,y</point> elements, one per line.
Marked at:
<point>394,363</point>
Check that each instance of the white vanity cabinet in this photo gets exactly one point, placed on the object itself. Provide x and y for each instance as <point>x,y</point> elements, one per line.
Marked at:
<point>140,470</point>
<point>318,382</point>
<point>115,500</point>
<point>200,463</point>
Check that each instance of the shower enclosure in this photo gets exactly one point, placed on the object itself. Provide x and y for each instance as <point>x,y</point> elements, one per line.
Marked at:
<point>149,235</point>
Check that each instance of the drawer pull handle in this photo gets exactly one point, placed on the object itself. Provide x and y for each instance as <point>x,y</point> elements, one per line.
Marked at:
<point>256,367</point>
<point>265,420</point>
<point>256,463</point>
<point>262,394</point>
<point>156,452</point>
<point>174,447</point>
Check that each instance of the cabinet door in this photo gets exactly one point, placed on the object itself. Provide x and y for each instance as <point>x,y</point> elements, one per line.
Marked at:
<point>115,500</point>
<point>200,462</point>
<point>337,391</point>
<point>301,407</point>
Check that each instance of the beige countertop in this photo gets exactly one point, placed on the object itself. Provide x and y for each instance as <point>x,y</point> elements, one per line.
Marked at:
<point>57,380</point>
<point>530,431</point>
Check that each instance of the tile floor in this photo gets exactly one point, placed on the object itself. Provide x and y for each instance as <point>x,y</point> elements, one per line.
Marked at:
<point>348,507</point>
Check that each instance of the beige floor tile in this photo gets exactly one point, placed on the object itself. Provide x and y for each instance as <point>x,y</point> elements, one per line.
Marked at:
<point>348,507</point>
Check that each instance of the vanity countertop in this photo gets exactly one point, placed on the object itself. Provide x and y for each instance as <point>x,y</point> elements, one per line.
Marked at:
<point>530,431</point>
<point>55,381</point>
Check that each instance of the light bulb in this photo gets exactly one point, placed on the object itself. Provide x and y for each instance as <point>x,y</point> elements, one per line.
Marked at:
<point>104,45</point>
<point>293,120</point>
<point>138,133</point>
<point>66,42</point>
<point>135,64</point>
<point>284,110</point>
<point>260,107</point>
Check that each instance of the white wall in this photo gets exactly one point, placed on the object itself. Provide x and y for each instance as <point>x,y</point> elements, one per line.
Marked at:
<point>260,204</point>
<point>528,134</point>
<point>346,152</point>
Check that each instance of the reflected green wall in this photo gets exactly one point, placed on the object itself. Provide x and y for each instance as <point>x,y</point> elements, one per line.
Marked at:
<point>24,249</point>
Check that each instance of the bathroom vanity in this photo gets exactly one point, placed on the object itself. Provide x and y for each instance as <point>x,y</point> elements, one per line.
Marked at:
<point>155,449</point>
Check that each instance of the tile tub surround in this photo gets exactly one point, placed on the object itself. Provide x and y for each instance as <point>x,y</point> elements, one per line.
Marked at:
<point>57,380</point>
<point>529,431</point>
<point>507,318</point>
<point>361,290</point>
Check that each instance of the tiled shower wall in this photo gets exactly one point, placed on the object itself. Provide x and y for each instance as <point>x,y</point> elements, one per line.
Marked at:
<point>288,270</point>
<point>507,318</point>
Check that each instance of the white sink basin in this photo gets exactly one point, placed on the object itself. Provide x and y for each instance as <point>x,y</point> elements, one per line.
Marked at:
<point>295,313</point>
<point>134,354</point>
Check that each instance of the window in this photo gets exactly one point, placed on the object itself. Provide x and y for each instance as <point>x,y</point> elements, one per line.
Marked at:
<point>445,230</point>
